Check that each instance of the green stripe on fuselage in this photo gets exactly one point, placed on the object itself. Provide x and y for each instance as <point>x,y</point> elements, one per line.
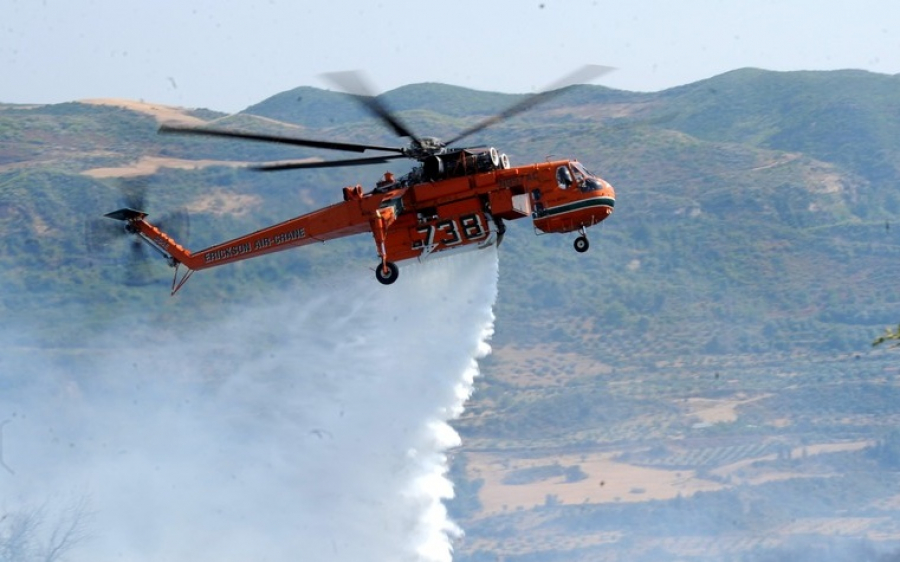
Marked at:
<point>578,205</point>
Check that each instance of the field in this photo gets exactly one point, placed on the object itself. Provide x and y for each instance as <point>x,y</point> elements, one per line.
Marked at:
<point>779,450</point>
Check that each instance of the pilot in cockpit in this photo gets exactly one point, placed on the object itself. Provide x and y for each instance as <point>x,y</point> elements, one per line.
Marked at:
<point>564,177</point>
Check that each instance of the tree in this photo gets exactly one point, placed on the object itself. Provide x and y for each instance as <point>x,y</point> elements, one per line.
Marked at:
<point>26,535</point>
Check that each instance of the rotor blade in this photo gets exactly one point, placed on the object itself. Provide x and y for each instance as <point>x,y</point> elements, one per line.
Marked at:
<point>246,135</point>
<point>134,191</point>
<point>583,74</point>
<point>277,166</point>
<point>137,265</point>
<point>136,252</point>
<point>100,232</point>
<point>353,82</point>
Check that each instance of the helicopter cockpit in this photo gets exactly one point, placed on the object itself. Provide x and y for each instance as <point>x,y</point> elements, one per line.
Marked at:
<point>574,174</point>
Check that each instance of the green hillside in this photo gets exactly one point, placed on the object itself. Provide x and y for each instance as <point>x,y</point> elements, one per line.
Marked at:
<point>713,199</point>
<point>837,117</point>
<point>715,340</point>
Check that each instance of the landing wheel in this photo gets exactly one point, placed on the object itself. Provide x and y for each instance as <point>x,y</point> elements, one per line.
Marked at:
<point>582,244</point>
<point>387,273</point>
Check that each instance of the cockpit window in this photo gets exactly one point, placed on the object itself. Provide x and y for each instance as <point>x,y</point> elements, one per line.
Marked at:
<point>591,184</point>
<point>579,173</point>
<point>586,180</point>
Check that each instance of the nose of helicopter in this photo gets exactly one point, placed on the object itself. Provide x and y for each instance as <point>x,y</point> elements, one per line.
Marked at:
<point>604,200</point>
<point>607,194</point>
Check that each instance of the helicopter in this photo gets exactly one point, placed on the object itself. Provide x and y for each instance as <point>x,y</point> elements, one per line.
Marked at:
<point>454,199</point>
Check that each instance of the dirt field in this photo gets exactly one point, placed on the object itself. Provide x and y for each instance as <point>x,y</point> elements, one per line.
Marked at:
<point>162,113</point>
<point>718,411</point>
<point>610,481</point>
<point>222,203</point>
<point>150,165</point>
<point>607,481</point>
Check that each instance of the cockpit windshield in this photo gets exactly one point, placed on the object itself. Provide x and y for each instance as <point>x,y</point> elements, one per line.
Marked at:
<point>585,180</point>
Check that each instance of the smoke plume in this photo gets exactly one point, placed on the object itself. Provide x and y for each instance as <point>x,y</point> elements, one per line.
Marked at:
<point>312,428</point>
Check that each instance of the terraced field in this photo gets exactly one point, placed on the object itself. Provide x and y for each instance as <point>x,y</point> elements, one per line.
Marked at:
<point>703,461</point>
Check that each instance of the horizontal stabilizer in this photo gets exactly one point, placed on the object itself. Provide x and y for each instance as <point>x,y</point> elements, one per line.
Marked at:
<point>126,214</point>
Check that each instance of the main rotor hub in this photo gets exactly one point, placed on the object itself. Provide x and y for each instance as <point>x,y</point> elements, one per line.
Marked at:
<point>424,147</point>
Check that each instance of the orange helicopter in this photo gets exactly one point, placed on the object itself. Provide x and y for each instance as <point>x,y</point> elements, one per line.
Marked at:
<point>454,199</point>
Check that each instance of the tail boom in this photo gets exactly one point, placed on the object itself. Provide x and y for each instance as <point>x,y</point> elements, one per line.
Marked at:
<point>329,223</point>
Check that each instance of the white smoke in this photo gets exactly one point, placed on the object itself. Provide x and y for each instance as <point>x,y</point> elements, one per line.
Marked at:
<point>314,428</point>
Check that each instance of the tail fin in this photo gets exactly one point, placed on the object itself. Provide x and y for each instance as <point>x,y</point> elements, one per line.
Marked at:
<point>126,214</point>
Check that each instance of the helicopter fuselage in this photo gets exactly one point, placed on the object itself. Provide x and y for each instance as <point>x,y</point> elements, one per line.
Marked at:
<point>423,219</point>
<point>455,198</point>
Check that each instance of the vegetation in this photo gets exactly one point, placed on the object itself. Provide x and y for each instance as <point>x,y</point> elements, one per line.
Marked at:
<point>34,534</point>
<point>733,242</point>
<point>700,380</point>
<point>889,335</point>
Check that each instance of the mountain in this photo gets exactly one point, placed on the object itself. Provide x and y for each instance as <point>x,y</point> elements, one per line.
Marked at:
<point>710,355</point>
<point>832,116</point>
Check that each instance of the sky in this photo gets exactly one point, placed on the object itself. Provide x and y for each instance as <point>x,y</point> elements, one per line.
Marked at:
<point>226,55</point>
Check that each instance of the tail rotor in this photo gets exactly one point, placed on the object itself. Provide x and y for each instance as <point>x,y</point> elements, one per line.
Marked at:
<point>115,236</point>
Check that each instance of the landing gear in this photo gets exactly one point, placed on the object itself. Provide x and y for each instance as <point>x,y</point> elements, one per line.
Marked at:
<point>387,272</point>
<point>581,243</point>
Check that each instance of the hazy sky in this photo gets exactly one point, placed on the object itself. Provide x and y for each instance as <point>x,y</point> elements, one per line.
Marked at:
<point>228,54</point>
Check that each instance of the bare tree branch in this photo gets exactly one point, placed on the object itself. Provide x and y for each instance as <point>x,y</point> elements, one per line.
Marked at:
<point>23,539</point>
